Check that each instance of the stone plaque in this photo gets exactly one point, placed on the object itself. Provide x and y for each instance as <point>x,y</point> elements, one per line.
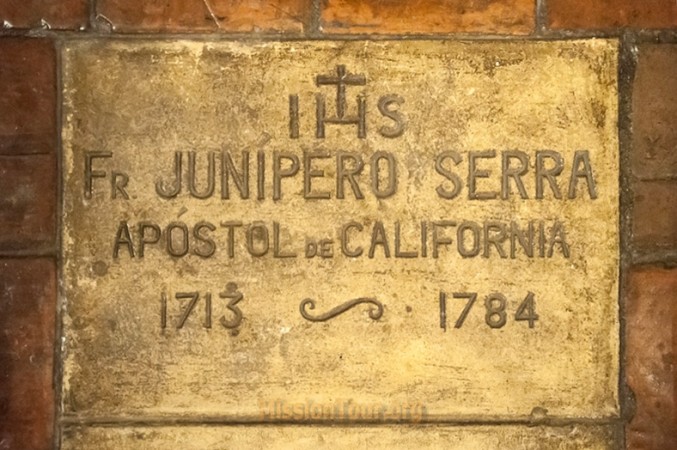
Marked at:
<point>334,232</point>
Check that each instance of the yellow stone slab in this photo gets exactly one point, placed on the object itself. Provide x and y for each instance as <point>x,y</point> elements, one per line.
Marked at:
<point>320,437</point>
<point>367,161</point>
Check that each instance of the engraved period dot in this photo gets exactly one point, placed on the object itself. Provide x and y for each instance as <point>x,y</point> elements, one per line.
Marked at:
<point>100,268</point>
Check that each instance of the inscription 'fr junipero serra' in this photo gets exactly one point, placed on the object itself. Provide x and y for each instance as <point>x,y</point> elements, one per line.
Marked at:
<point>247,175</point>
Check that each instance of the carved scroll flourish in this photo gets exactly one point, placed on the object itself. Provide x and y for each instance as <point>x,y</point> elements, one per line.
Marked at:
<point>309,304</point>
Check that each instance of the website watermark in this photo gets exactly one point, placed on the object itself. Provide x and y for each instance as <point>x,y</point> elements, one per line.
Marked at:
<point>344,411</point>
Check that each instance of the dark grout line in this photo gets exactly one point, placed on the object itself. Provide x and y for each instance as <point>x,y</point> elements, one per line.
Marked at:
<point>58,323</point>
<point>666,178</point>
<point>315,19</point>
<point>312,31</point>
<point>626,73</point>
<point>92,14</point>
<point>541,17</point>
<point>293,37</point>
<point>25,155</point>
<point>29,254</point>
<point>665,258</point>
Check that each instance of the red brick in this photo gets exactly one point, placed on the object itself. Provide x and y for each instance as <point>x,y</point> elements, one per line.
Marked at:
<point>27,338</point>
<point>606,14</point>
<point>429,16</point>
<point>654,215</point>
<point>204,15</point>
<point>27,96</point>
<point>651,349</point>
<point>654,109</point>
<point>55,14</point>
<point>27,203</point>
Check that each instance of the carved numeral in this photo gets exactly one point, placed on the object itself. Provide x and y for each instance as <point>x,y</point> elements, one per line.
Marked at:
<point>527,310</point>
<point>234,297</point>
<point>496,316</point>
<point>187,305</point>
<point>495,305</point>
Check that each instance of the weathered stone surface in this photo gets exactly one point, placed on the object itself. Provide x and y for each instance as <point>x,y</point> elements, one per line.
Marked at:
<point>654,108</point>
<point>27,203</point>
<point>200,15</point>
<point>141,103</point>
<point>429,16</point>
<point>47,14</point>
<point>319,437</point>
<point>605,14</point>
<point>28,305</point>
<point>651,357</point>
<point>27,96</point>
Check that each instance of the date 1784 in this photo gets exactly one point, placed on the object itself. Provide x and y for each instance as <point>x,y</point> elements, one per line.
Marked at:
<point>496,306</point>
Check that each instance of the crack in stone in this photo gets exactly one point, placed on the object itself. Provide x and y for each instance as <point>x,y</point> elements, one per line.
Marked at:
<point>211,13</point>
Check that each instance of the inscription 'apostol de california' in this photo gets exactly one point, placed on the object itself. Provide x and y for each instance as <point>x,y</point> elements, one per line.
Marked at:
<point>374,221</point>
